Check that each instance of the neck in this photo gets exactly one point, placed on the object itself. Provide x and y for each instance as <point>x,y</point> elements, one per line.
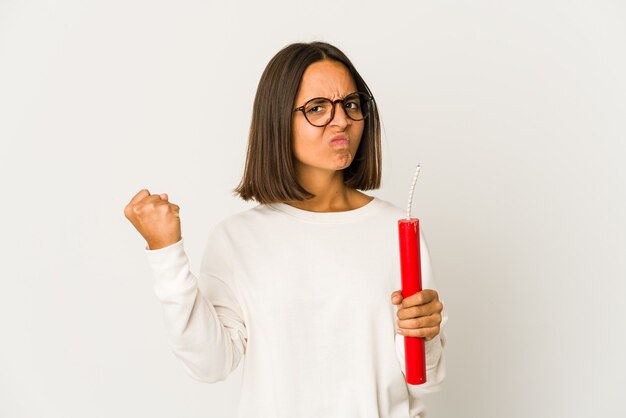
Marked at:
<point>331,194</point>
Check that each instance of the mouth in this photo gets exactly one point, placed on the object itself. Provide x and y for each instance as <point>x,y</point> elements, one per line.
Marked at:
<point>340,139</point>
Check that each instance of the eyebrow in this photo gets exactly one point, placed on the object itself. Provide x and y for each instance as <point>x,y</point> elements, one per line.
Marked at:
<point>328,98</point>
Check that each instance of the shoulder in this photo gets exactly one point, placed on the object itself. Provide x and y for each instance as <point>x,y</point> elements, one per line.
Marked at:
<point>384,207</point>
<point>390,209</point>
<point>243,220</point>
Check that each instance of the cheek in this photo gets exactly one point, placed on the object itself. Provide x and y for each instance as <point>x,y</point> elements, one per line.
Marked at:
<point>358,132</point>
<point>304,135</point>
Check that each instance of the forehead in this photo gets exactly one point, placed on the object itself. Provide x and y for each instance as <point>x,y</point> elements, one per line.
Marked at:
<point>326,79</point>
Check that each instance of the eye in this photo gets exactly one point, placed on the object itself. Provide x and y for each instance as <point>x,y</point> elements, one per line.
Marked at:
<point>314,109</point>
<point>316,106</point>
<point>353,104</point>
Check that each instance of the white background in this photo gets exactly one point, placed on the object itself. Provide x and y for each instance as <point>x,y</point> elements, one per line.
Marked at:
<point>516,111</point>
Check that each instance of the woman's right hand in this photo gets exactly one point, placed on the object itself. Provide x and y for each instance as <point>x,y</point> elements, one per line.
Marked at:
<point>156,219</point>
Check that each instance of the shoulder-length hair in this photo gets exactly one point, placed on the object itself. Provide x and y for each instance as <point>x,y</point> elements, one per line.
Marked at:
<point>270,174</point>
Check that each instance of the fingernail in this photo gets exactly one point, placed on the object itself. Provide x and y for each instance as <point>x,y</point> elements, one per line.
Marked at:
<point>399,331</point>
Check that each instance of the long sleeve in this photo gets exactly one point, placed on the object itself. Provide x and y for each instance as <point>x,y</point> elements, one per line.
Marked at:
<point>203,318</point>
<point>266,293</point>
<point>435,364</point>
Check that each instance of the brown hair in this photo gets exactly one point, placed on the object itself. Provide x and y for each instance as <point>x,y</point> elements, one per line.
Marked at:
<point>270,174</point>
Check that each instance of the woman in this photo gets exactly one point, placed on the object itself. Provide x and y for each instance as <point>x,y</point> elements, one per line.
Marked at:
<point>300,284</point>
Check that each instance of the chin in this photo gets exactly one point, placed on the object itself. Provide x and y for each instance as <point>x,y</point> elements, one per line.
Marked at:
<point>344,162</point>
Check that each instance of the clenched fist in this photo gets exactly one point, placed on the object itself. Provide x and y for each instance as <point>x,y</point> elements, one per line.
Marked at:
<point>156,219</point>
<point>419,315</point>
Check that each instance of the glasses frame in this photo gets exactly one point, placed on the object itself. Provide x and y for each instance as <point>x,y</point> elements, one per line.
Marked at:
<point>366,96</point>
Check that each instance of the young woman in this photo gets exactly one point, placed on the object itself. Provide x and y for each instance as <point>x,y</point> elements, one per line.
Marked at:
<point>303,284</point>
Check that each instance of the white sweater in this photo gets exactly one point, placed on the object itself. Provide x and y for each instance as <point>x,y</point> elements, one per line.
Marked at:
<point>306,297</point>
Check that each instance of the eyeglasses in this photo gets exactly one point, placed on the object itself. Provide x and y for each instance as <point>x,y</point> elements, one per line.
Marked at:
<point>320,110</point>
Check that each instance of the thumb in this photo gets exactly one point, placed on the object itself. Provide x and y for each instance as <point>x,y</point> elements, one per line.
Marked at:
<point>163,196</point>
<point>139,196</point>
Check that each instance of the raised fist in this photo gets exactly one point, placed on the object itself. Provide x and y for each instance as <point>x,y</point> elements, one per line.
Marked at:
<point>156,219</point>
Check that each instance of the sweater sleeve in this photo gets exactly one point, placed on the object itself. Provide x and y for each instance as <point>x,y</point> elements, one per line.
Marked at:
<point>435,365</point>
<point>203,317</point>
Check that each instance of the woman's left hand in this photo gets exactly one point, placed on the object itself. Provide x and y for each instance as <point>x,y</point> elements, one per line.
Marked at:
<point>419,315</point>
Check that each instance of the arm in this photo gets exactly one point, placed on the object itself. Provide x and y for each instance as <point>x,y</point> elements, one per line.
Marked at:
<point>203,318</point>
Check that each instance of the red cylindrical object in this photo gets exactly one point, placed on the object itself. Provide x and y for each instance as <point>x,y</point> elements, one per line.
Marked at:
<point>411,272</point>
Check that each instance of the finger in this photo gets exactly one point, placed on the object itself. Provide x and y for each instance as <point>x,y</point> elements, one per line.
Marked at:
<point>396,297</point>
<point>163,196</point>
<point>131,208</point>
<point>153,200</point>
<point>434,307</point>
<point>413,312</point>
<point>420,298</point>
<point>150,200</point>
<point>426,333</point>
<point>143,193</point>
<point>421,322</point>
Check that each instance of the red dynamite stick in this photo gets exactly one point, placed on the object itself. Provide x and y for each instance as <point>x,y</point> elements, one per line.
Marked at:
<point>411,272</point>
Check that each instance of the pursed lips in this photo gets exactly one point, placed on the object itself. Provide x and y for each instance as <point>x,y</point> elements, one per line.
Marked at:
<point>340,139</point>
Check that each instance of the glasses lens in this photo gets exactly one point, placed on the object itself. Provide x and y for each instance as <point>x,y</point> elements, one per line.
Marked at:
<point>317,111</point>
<point>357,106</point>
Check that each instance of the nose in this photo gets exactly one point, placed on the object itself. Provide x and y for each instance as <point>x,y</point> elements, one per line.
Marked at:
<point>340,118</point>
